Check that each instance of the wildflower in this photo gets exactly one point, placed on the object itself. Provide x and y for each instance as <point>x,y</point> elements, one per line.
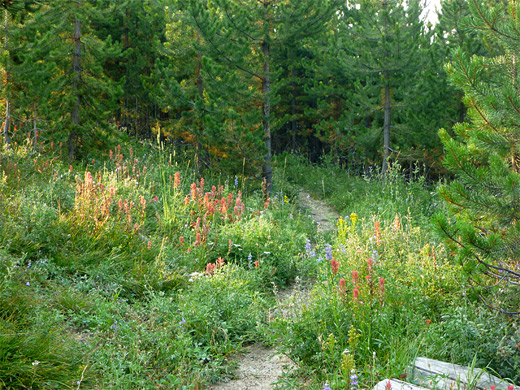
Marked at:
<point>257,264</point>
<point>510,387</point>
<point>326,387</point>
<point>355,294</point>
<point>155,199</point>
<point>114,326</point>
<point>328,252</point>
<point>266,204</point>
<point>388,385</point>
<point>342,286</point>
<point>198,239</point>
<point>354,380</point>
<point>35,363</point>
<point>353,218</point>
<point>149,245</point>
<point>370,263</point>
<point>355,278</point>
<point>250,258</point>
<point>220,262</point>
<point>397,223</point>
<point>236,181</point>
<point>210,267</point>
<point>493,387</point>
<point>382,285</point>
<point>319,260</point>
<point>377,232</point>
<point>177,180</point>
<point>28,284</point>
<point>308,245</point>
<point>182,321</point>
<point>335,266</point>
<point>428,321</point>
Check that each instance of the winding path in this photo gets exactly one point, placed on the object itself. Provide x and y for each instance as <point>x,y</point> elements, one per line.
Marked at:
<point>260,367</point>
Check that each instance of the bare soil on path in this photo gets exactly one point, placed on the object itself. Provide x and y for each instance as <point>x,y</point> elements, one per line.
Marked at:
<point>259,366</point>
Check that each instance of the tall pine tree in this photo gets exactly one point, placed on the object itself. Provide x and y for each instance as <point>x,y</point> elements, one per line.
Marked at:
<point>242,36</point>
<point>484,223</point>
<point>75,97</point>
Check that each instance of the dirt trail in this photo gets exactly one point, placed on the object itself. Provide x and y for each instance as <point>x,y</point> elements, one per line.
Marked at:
<point>259,366</point>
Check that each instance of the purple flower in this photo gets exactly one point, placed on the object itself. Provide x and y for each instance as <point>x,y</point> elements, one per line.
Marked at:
<point>183,321</point>
<point>28,284</point>
<point>328,252</point>
<point>236,181</point>
<point>326,387</point>
<point>308,247</point>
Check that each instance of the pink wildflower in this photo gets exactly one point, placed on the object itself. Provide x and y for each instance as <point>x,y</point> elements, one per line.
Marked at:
<point>342,286</point>
<point>355,278</point>
<point>335,266</point>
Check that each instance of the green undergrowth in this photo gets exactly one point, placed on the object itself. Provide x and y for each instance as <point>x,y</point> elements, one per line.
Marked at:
<point>131,271</point>
<point>368,194</point>
<point>386,289</point>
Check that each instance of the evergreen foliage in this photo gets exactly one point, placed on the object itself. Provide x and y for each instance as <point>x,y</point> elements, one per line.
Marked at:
<point>484,156</point>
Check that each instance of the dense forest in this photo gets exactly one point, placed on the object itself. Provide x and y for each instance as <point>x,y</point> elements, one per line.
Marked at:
<point>237,81</point>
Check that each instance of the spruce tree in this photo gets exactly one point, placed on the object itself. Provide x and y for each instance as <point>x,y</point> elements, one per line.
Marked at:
<point>484,201</point>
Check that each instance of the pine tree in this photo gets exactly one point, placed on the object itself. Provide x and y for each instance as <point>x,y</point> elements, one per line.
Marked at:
<point>381,46</point>
<point>15,12</point>
<point>484,202</point>
<point>243,35</point>
<point>72,94</point>
<point>139,27</point>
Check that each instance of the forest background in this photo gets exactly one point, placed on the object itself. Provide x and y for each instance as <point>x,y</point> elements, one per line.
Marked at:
<point>237,82</point>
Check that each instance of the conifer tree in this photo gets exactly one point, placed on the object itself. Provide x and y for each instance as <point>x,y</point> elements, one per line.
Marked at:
<point>484,221</point>
<point>242,35</point>
<point>15,12</point>
<point>75,96</point>
<point>384,51</point>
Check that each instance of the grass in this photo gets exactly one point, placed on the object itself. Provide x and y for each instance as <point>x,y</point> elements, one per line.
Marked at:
<point>130,271</point>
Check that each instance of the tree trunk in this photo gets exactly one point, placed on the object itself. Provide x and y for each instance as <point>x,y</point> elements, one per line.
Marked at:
<point>294,125</point>
<point>266,108</point>
<point>76,67</point>
<point>7,122</point>
<point>200,92</point>
<point>386,126</point>
<point>7,140</point>
<point>388,106</point>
